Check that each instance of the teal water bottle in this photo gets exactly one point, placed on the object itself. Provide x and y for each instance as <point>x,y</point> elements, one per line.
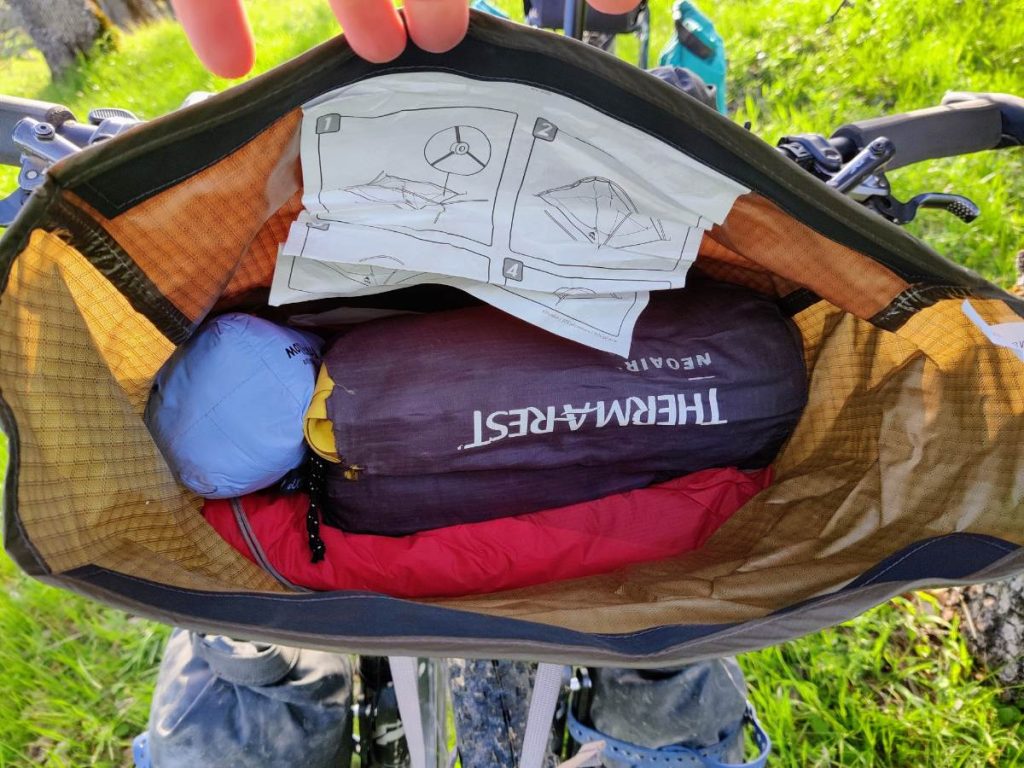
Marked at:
<point>483,5</point>
<point>697,47</point>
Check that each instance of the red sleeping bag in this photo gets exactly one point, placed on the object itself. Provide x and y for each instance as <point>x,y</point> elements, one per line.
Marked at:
<point>476,558</point>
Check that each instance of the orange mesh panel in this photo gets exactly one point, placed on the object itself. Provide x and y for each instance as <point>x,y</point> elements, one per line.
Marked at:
<point>256,269</point>
<point>189,239</point>
<point>777,243</point>
<point>751,278</point>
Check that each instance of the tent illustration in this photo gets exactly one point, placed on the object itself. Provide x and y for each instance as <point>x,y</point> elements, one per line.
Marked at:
<point>599,211</point>
<point>404,193</point>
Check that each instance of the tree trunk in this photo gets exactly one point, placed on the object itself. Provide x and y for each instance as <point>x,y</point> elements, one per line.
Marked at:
<point>62,30</point>
<point>995,630</point>
<point>1018,289</point>
<point>133,13</point>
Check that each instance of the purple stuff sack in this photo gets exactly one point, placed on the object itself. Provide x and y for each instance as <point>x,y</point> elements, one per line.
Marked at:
<point>471,414</point>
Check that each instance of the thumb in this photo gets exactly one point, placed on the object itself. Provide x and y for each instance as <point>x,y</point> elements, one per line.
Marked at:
<point>613,6</point>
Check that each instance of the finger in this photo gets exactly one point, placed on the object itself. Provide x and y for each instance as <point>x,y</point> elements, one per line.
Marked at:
<point>437,25</point>
<point>219,34</point>
<point>372,27</point>
<point>613,6</point>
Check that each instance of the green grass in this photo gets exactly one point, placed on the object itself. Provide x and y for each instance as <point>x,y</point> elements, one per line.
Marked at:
<point>896,686</point>
<point>792,72</point>
<point>77,677</point>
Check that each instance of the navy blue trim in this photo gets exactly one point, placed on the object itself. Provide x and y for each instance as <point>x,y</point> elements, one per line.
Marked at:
<point>17,544</point>
<point>361,617</point>
<point>955,556</point>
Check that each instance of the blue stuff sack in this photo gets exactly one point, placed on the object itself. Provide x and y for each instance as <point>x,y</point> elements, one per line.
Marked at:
<point>226,410</point>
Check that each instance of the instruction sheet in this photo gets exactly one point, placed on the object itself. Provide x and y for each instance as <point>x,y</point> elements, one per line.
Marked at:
<point>533,202</point>
<point>1009,335</point>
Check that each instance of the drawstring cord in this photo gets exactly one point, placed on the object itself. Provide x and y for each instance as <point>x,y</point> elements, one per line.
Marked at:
<point>317,471</point>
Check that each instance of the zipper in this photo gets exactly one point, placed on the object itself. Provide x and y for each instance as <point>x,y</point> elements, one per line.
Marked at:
<point>257,551</point>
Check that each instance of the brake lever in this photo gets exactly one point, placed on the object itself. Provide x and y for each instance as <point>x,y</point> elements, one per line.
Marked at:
<point>31,175</point>
<point>41,146</point>
<point>868,162</point>
<point>903,213</point>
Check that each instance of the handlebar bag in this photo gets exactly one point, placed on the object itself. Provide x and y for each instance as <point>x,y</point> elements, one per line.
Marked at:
<point>905,469</point>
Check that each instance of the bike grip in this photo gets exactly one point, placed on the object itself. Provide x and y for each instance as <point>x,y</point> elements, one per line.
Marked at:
<point>927,134</point>
<point>1010,107</point>
<point>13,109</point>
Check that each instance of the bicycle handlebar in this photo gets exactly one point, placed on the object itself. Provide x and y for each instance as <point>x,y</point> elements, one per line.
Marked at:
<point>958,127</point>
<point>1011,109</point>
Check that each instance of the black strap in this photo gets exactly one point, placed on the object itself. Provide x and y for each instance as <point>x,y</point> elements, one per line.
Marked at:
<point>243,663</point>
<point>317,472</point>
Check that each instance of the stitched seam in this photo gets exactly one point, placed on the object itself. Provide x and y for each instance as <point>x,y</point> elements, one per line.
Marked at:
<point>10,511</point>
<point>771,619</point>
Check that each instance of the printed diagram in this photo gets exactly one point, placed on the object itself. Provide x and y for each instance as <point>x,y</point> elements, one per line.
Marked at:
<point>530,201</point>
<point>433,170</point>
<point>379,271</point>
<point>599,211</point>
<point>584,212</point>
<point>606,314</point>
<point>403,193</point>
<point>409,195</point>
<point>311,276</point>
<point>461,149</point>
<point>564,294</point>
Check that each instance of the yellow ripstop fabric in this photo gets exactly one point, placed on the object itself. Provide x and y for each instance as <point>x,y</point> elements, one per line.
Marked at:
<point>318,429</point>
<point>76,363</point>
<point>905,437</point>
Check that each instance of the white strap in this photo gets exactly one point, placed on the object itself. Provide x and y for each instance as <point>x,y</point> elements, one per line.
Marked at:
<point>407,691</point>
<point>546,687</point>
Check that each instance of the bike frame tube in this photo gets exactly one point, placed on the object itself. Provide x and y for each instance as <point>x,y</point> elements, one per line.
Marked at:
<point>575,21</point>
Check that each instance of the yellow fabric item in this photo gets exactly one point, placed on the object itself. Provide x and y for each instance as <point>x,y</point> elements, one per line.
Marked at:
<point>317,427</point>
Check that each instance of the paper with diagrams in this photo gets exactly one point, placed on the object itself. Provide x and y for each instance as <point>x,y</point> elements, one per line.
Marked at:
<point>529,200</point>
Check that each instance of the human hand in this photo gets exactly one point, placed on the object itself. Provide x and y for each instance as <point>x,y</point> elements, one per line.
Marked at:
<point>222,39</point>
